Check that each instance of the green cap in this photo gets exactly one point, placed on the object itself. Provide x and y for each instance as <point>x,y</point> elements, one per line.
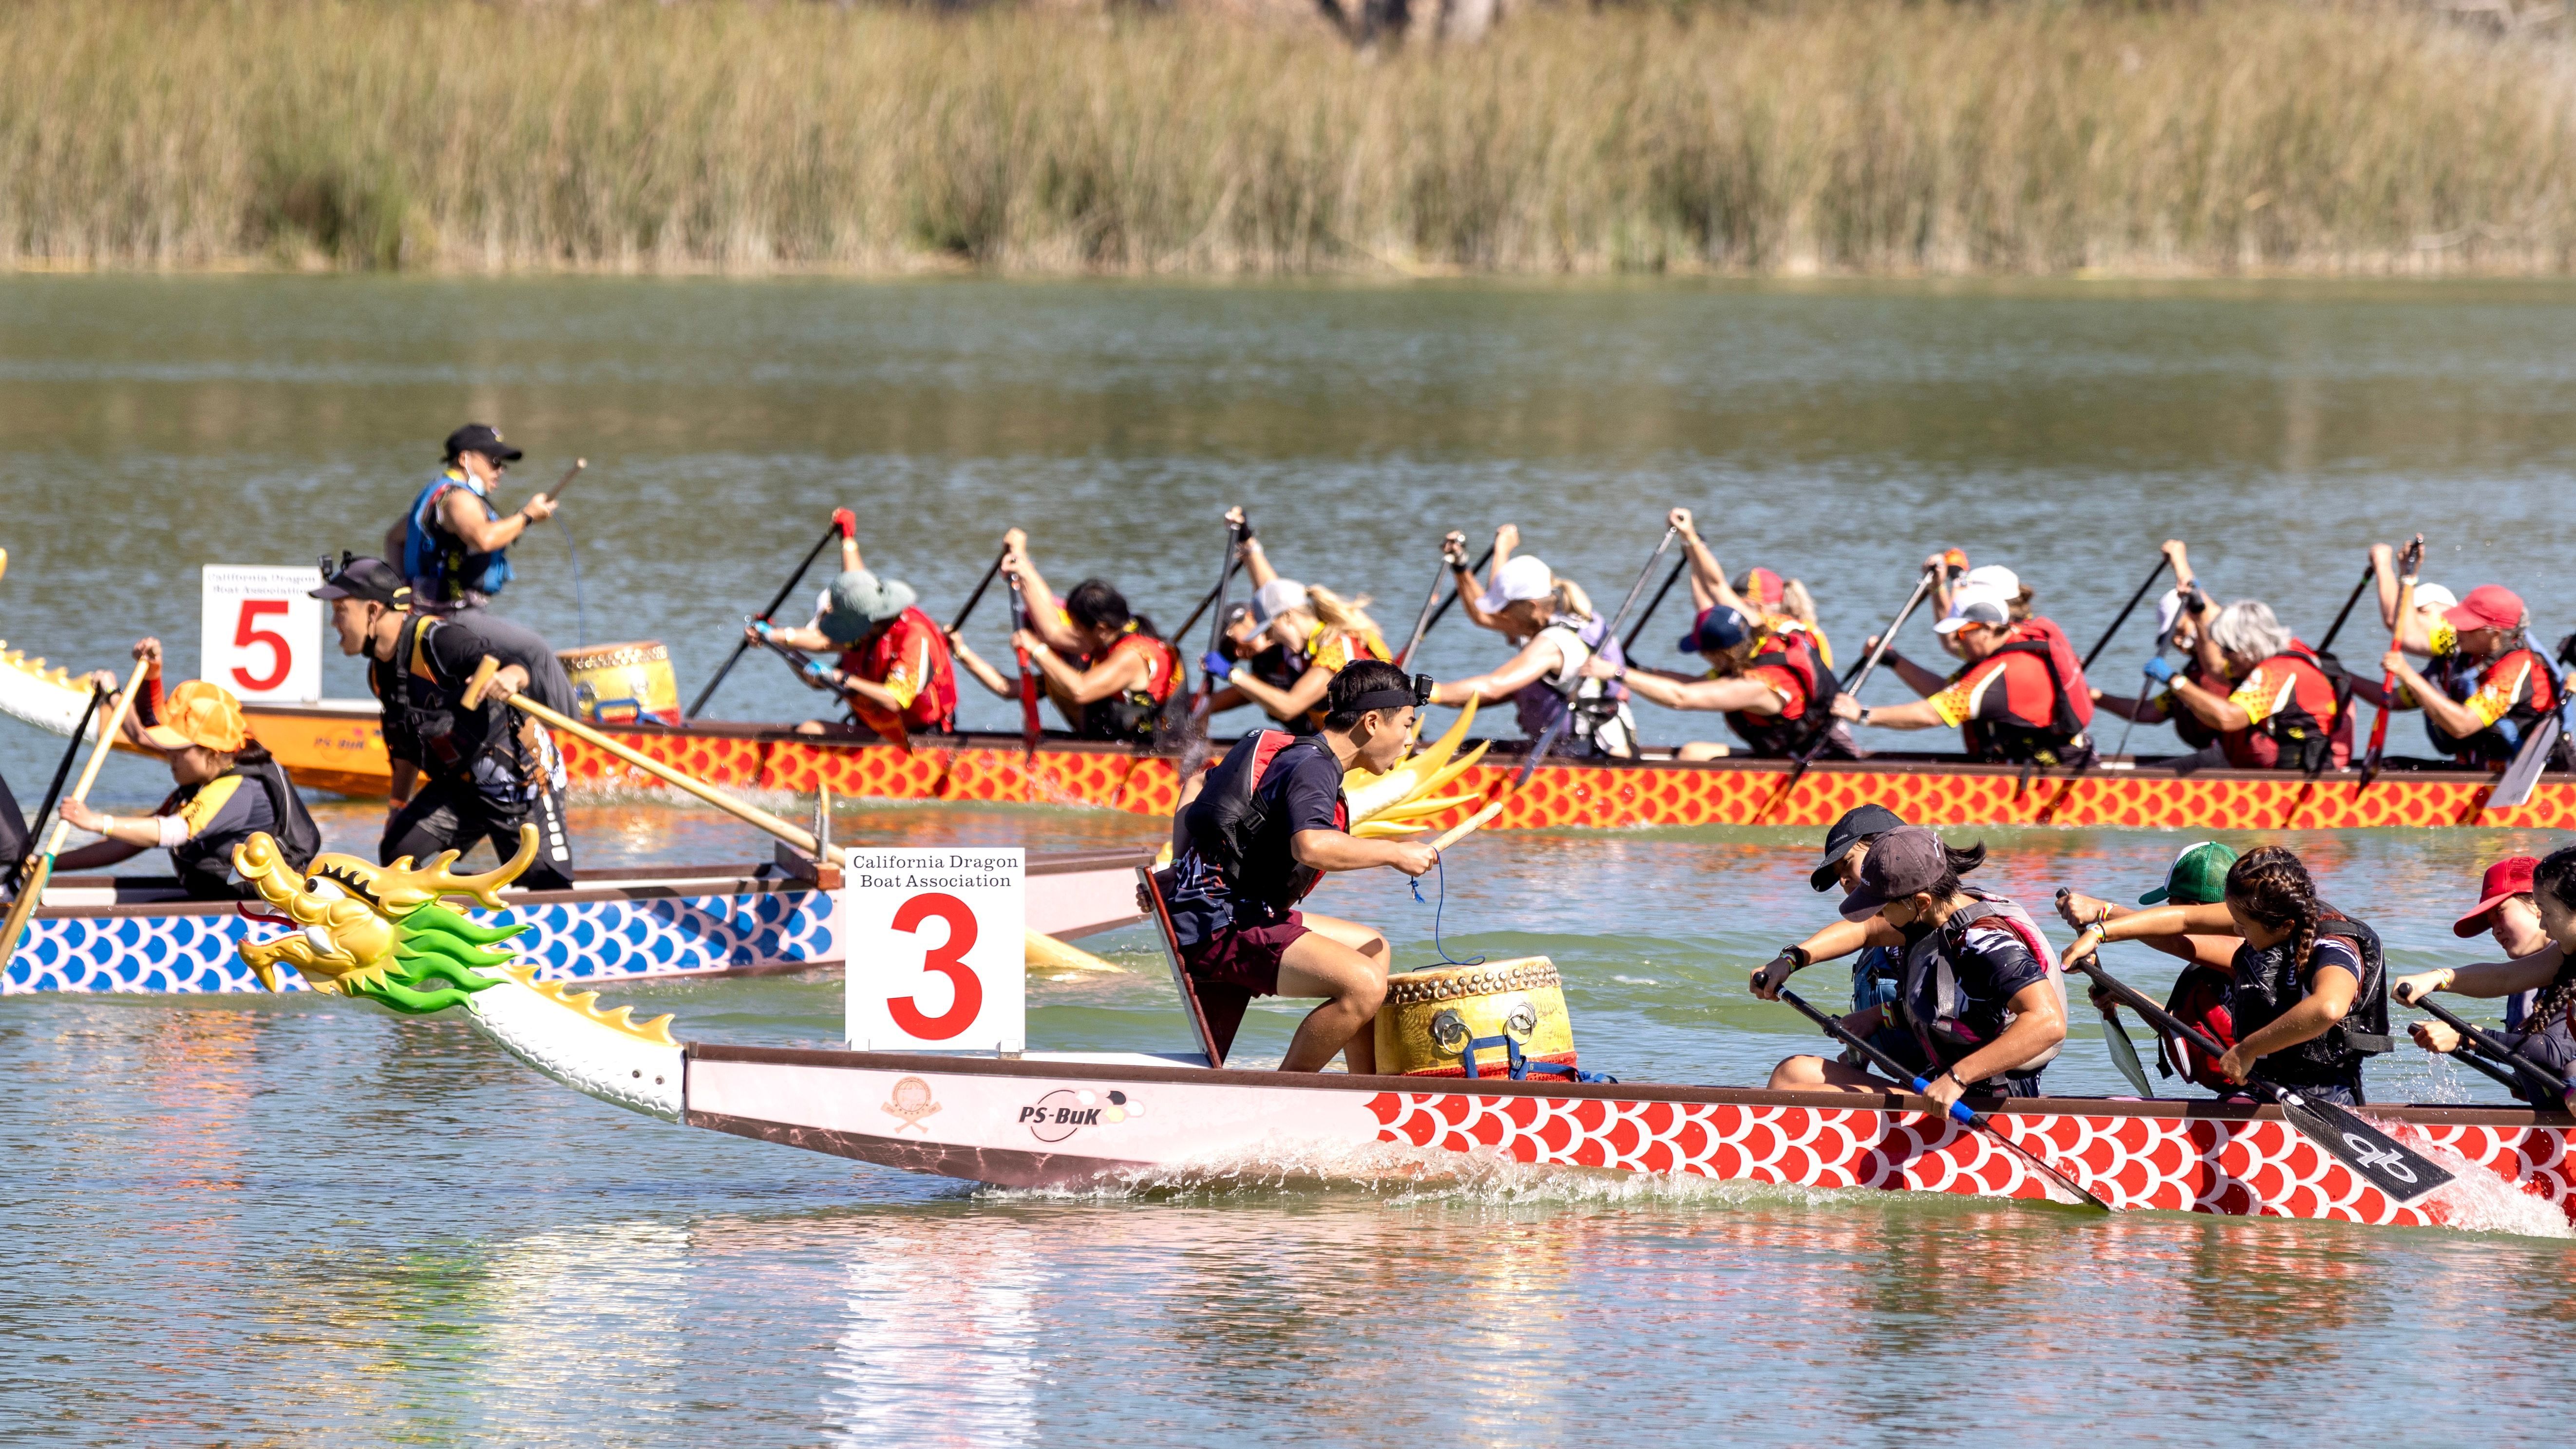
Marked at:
<point>2198,877</point>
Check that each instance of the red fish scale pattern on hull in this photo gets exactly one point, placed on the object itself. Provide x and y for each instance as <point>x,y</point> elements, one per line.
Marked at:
<point>2251,1168</point>
<point>1592,795</point>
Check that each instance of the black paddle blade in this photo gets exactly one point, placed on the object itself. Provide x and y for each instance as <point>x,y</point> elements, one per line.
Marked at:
<point>2389,1165</point>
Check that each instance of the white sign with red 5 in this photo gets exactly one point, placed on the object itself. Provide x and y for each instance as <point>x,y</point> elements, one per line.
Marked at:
<point>935,942</point>
<point>263,631</point>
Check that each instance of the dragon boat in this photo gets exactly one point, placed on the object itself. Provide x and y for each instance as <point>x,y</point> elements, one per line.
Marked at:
<point>338,746</point>
<point>1090,1119</point>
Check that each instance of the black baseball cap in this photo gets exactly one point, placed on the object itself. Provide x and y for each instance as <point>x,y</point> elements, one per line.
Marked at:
<point>359,577</point>
<point>1864,822</point>
<point>477,438</point>
<point>1901,863</point>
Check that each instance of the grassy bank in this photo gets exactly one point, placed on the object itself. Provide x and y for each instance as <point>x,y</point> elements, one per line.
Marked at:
<point>2006,138</point>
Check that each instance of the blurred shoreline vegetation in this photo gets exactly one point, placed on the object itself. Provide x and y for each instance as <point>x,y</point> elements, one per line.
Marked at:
<point>1835,137</point>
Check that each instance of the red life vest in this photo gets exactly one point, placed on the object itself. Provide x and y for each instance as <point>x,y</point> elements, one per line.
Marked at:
<point>2070,702</point>
<point>2199,998</point>
<point>1778,736</point>
<point>2293,736</point>
<point>2063,663</point>
<point>934,707</point>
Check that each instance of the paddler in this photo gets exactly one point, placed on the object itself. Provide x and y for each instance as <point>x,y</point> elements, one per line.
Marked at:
<point>1267,825</point>
<point>894,669</point>
<point>1981,1007</point>
<point>228,788</point>
<point>460,774</point>
<point>2451,673</point>
<point>2197,877</point>
<point>2014,702</point>
<point>1877,971</point>
<point>1320,632</point>
<point>1554,618</point>
<point>1105,667</point>
<point>2182,614</point>
<point>2510,687</point>
<point>2273,701</point>
<point>1242,644</point>
<point>1777,605</point>
<point>1771,686</point>
<point>2536,926</point>
<point>2307,997</point>
<point>455,542</point>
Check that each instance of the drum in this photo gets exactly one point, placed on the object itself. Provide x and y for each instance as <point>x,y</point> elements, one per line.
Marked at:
<point>1509,1015</point>
<point>622,683</point>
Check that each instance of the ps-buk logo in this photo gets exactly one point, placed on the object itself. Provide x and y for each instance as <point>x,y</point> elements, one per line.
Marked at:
<point>2369,1154</point>
<point>1061,1113</point>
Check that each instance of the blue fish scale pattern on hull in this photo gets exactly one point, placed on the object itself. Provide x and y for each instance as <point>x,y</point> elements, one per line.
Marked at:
<point>565,941</point>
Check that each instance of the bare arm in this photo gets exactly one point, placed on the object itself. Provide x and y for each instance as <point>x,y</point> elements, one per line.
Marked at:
<point>2038,1024</point>
<point>1470,591</point>
<point>2486,978</point>
<point>2454,718</point>
<point>1256,562</point>
<point>1045,619</point>
<point>461,509</point>
<point>975,667</point>
<point>1750,696</point>
<point>1284,704</point>
<point>1331,850</point>
<point>1708,576</point>
<point>2212,708</point>
<point>1537,660</point>
<point>2124,706</point>
<point>1117,673</point>
<point>2330,995</point>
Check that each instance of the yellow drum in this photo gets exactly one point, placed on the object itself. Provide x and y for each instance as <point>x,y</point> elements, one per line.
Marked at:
<point>622,683</point>
<point>1505,1008</point>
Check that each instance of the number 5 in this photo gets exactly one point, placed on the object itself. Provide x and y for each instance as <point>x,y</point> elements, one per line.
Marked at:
<point>281,657</point>
<point>949,960</point>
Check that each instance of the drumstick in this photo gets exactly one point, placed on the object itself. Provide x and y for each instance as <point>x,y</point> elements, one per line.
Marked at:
<point>1460,831</point>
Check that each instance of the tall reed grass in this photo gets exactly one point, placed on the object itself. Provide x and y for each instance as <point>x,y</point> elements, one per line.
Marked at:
<point>1855,136</point>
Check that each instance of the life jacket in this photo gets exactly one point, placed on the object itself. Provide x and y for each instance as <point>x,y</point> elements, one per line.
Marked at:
<point>1131,714</point>
<point>1776,736</point>
<point>934,703</point>
<point>2061,740</point>
<point>2066,665</point>
<point>440,567</point>
<point>478,746</point>
<point>1929,989</point>
<point>1231,829</point>
<point>2298,738</point>
<point>2498,743</point>
<point>205,860</point>
<point>2266,984</point>
<point>2190,728</point>
<point>1600,707</point>
<point>2199,998</point>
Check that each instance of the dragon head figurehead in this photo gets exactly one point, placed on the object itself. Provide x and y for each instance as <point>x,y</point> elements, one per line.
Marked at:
<point>379,931</point>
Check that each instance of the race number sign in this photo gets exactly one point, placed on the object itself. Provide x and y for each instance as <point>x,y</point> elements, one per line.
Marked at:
<point>934,941</point>
<point>263,631</point>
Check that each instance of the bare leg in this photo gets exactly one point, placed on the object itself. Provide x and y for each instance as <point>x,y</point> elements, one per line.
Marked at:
<point>1345,962</point>
<point>1815,1074</point>
<point>1704,750</point>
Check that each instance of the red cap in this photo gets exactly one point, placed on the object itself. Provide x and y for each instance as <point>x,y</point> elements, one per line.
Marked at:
<point>2488,606</point>
<point>1767,588</point>
<point>2505,880</point>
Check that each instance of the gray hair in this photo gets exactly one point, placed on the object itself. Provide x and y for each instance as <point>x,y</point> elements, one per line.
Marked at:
<point>2247,627</point>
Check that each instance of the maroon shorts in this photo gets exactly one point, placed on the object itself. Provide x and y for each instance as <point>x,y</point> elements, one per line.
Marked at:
<point>1246,956</point>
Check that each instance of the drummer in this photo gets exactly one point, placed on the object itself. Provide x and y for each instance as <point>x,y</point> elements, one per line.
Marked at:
<point>1266,827</point>
<point>894,669</point>
<point>2529,907</point>
<point>1982,1008</point>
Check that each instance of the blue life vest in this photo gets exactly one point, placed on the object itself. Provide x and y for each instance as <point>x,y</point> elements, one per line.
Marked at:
<point>437,562</point>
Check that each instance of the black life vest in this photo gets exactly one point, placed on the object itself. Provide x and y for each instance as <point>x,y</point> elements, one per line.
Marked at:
<point>1776,737</point>
<point>2190,728</point>
<point>1234,833</point>
<point>1928,990</point>
<point>1133,714</point>
<point>205,861</point>
<point>454,738</point>
<point>2267,984</point>
<point>2059,742</point>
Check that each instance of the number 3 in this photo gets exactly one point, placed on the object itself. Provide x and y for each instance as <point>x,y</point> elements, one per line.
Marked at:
<point>949,960</point>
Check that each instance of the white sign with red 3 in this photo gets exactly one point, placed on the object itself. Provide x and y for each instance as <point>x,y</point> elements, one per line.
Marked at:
<point>263,631</point>
<point>935,942</point>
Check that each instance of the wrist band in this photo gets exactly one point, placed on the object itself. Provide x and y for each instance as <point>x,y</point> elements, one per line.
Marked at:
<point>107,825</point>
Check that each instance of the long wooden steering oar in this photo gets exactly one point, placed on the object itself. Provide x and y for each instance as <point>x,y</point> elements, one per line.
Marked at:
<point>481,685</point>
<point>2413,560</point>
<point>31,892</point>
<point>1959,1112</point>
<point>844,523</point>
<point>2383,1161</point>
<point>1557,727</point>
<point>2474,1036</point>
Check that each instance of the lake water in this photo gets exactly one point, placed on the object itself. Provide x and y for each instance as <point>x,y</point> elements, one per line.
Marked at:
<point>307,1221</point>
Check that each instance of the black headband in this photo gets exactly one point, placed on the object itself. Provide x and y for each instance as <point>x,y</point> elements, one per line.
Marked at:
<point>1382,699</point>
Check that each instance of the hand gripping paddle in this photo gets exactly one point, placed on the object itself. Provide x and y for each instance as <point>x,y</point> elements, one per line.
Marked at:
<point>2386,1163</point>
<point>2476,1039</point>
<point>1959,1111</point>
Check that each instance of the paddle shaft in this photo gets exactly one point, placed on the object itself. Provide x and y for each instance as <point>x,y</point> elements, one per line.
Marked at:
<point>775,600</point>
<point>54,791</point>
<point>1422,620</point>
<point>1029,726</point>
<point>1680,568</point>
<point>2127,609</point>
<point>1443,611</point>
<point>1557,727</point>
<point>1212,598</point>
<point>2335,630</point>
<point>555,494</point>
<point>977,597</point>
<point>2483,1040</point>
<point>2413,560</point>
<point>32,892</point>
<point>1958,1112</point>
<point>1868,667</point>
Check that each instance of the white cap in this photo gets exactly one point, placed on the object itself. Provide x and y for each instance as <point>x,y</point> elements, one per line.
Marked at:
<point>2434,596</point>
<point>1977,604</point>
<point>1275,598</point>
<point>1524,577</point>
<point>2168,610</point>
<point>1992,576</point>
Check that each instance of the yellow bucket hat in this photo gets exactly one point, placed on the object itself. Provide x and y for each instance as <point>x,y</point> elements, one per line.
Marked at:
<point>200,713</point>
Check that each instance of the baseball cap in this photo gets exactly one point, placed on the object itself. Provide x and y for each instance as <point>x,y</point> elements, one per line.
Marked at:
<point>1717,628</point>
<point>2505,879</point>
<point>1977,604</point>
<point>860,602</point>
<point>1900,863</point>
<point>1992,576</point>
<point>200,713</point>
<point>2197,877</point>
<point>2488,606</point>
<point>1765,588</point>
<point>2434,596</point>
<point>1275,598</point>
<point>1861,822</point>
<point>477,438</point>
<point>357,576</point>
<point>2168,613</point>
<point>1524,577</point>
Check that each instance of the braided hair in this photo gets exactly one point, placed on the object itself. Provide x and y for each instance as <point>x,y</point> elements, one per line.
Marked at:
<point>2271,886</point>
<point>2555,879</point>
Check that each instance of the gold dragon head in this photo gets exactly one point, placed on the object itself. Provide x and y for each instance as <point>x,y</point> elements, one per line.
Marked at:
<point>356,920</point>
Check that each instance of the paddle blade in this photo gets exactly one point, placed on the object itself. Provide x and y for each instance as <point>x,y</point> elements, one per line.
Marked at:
<point>2389,1165</point>
<point>2516,786</point>
<point>2124,1055</point>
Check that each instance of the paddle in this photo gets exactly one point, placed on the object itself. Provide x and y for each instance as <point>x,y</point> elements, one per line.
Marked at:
<point>1443,611</point>
<point>482,684</point>
<point>844,523</point>
<point>1657,602</point>
<point>54,791</point>
<point>2387,1164</point>
<point>1194,749</point>
<point>1959,1112</point>
<point>1823,729</point>
<point>2487,1042</point>
<point>1029,728</point>
<point>2532,760</point>
<point>2131,607</point>
<point>1233,566</point>
<point>1422,620</point>
<point>2325,649</point>
<point>977,597</point>
<point>32,891</point>
<point>2124,1052</point>
<point>1565,717</point>
<point>2413,560</point>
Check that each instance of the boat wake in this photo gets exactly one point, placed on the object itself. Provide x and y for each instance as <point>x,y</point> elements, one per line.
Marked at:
<point>2478,1201</point>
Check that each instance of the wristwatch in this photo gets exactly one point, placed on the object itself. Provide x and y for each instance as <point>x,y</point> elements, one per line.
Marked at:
<point>1864,716</point>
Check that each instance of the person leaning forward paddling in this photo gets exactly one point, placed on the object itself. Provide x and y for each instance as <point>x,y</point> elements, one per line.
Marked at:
<point>1980,1003</point>
<point>894,670</point>
<point>2197,877</point>
<point>1104,665</point>
<point>1319,630</point>
<point>2013,703</point>
<point>1265,826</point>
<point>2546,1030</point>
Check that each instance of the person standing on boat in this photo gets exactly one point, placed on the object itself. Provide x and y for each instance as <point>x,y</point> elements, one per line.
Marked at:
<point>1772,686</point>
<point>462,771</point>
<point>2197,877</point>
<point>1104,665</point>
<point>2308,992</point>
<point>2510,687</point>
<point>228,789</point>
<point>894,670</point>
<point>1320,631</point>
<point>1981,1005</point>
<point>2530,908</point>
<point>1266,826</point>
<point>455,542</point>
<point>1545,679</point>
<point>2279,708</point>
<point>2013,703</point>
